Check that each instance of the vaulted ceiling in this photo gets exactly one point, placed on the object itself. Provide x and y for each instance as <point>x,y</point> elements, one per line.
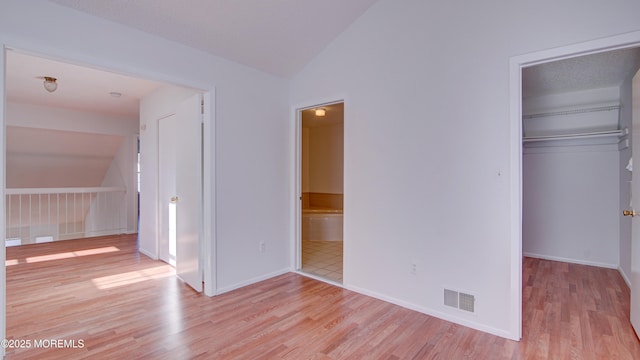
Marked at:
<point>276,36</point>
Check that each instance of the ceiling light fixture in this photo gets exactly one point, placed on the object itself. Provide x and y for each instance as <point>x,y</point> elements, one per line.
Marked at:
<point>115,94</point>
<point>320,112</point>
<point>50,83</point>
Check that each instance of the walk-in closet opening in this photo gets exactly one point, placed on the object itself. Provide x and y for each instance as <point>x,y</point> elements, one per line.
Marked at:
<point>577,172</point>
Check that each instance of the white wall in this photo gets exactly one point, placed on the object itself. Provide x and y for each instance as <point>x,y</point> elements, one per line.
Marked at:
<point>427,130</point>
<point>571,198</point>
<point>80,134</point>
<point>250,130</point>
<point>571,188</point>
<point>46,117</point>
<point>123,173</point>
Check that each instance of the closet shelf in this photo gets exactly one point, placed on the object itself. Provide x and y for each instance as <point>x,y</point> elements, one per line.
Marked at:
<point>572,112</point>
<point>589,135</point>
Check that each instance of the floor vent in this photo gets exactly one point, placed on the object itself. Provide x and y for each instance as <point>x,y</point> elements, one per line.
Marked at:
<point>460,301</point>
<point>13,242</point>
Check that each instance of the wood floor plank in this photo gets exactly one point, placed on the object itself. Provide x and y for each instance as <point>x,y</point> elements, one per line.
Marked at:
<point>124,305</point>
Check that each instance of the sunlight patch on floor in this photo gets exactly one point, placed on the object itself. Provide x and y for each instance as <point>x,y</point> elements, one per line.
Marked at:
<point>63,255</point>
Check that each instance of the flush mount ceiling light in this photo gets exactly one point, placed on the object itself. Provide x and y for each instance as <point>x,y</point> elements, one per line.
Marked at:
<point>320,112</point>
<point>115,94</point>
<point>50,83</point>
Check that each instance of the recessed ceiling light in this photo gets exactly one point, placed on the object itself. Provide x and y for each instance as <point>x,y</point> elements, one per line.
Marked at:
<point>115,94</point>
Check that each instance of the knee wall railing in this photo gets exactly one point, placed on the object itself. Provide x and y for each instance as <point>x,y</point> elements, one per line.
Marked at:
<point>50,214</point>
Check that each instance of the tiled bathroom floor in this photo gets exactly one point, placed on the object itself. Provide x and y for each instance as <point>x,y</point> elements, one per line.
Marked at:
<point>323,258</point>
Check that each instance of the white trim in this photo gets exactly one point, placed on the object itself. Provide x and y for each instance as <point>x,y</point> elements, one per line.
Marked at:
<point>41,191</point>
<point>516,63</point>
<point>147,254</point>
<point>296,193</point>
<point>208,193</point>
<point>515,195</point>
<point>296,175</point>
<point>252,281</point>
<point>571,260</point>
<point>134,196</point>
<point>3,255</point>
<point>624,277</point>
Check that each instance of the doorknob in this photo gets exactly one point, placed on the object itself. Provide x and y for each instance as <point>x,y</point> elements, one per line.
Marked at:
<point>174,199</point>
<point>631,213</point>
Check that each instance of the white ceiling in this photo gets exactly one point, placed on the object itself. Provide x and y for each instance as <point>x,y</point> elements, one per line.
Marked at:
<point>276,36</point>
<point>79,88</point>
<point>594,71</point>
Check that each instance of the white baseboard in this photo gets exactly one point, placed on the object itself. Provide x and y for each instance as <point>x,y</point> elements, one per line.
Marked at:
<point>251,281</point>
<point>625,277</point>
<point>435,313</point>
<point>147,254</point>
<point>572,261</point>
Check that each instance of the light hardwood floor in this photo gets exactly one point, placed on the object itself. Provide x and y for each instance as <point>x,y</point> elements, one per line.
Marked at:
<point>124,305</point>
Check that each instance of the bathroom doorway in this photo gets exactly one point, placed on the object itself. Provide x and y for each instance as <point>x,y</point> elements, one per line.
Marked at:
<point>322,191</point>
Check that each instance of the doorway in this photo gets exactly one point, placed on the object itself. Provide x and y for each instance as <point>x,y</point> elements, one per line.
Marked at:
<point>576,146</point>
<point>114,115</point>
<point>518,110</point>
<point>322,191</point>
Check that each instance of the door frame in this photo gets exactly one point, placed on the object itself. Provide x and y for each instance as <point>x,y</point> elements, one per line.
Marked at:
<point>296,165</point>
<point>208,212</point>
<point>516,64</point>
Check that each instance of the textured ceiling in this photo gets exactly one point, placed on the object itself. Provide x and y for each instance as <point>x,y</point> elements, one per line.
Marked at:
<point>276,36</point>
<point>594,71</point>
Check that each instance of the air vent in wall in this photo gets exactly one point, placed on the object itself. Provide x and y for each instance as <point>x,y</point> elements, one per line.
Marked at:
<point>451,298</point>
<point>458,300</point>
<point>466,302</point>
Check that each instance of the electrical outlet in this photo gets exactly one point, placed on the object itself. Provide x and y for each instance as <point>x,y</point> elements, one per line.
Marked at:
<point>414,268</point>
<point>262,246</point>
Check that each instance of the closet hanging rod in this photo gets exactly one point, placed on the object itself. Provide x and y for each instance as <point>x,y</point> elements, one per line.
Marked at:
<point>595,134</point>
<point>571,112</point>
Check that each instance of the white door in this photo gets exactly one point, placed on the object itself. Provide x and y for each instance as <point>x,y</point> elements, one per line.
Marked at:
<point>635,196</point>
<point>189,191</point>
<point>167,153</point>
